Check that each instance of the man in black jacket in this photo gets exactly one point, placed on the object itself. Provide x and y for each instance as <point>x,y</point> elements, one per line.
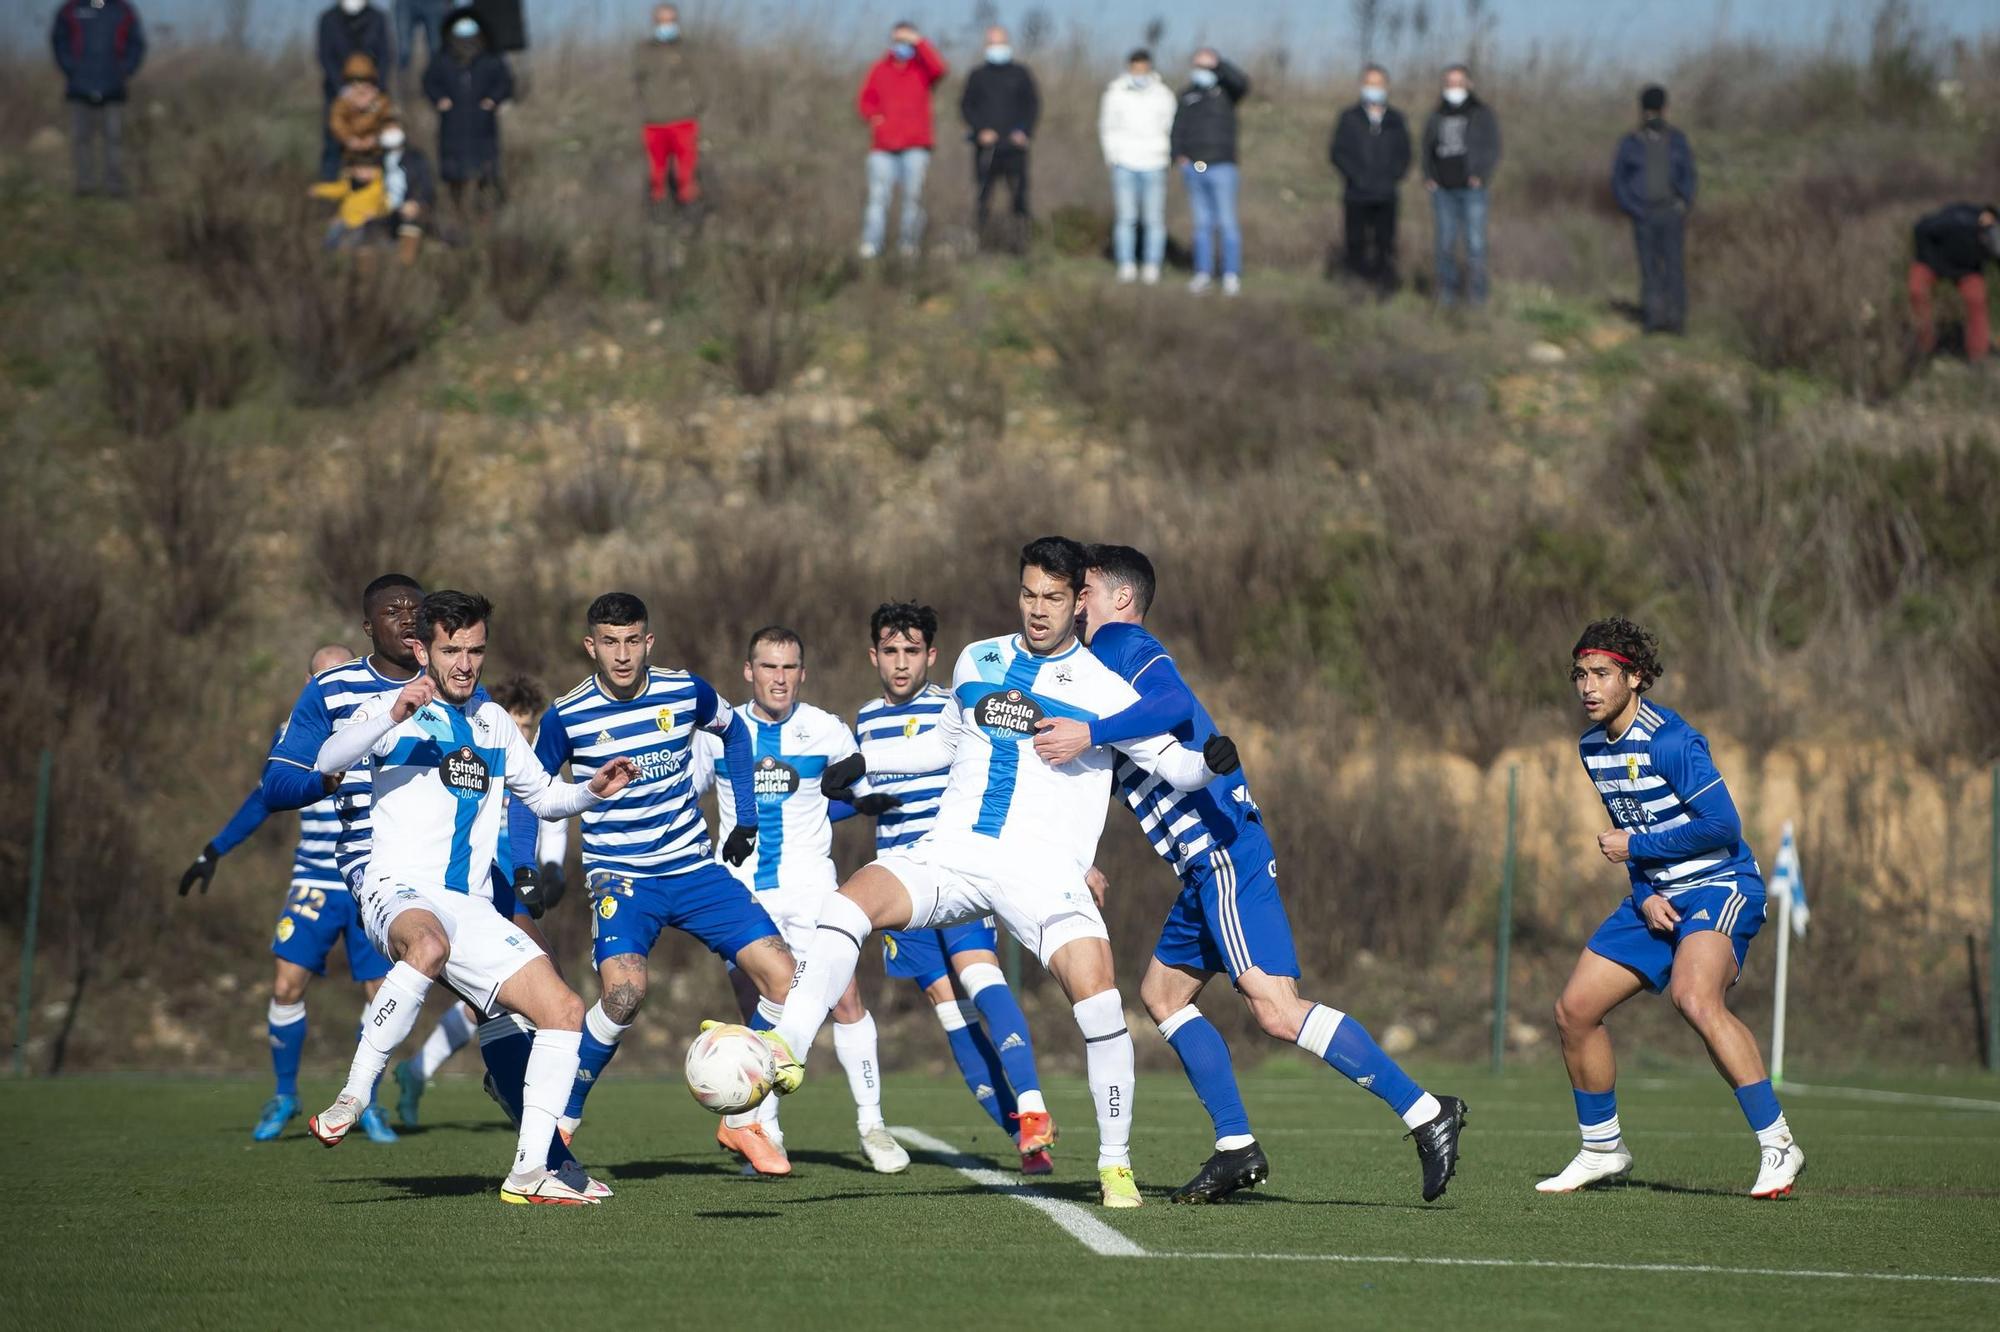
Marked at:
<point>467,83</point>
<point>1371,151</point>
<point>98,46</point>
<point>1955,244</point>
<point>346,27</point>
<point>1204,145</point>
<point>1461,153</point>
<point>1001,106</point>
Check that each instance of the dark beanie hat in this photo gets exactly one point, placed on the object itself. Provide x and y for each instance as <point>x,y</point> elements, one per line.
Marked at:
<point>1654,98</point>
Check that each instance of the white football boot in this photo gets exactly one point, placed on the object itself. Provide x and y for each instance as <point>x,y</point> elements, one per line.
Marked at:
<point>1781,1164</point>
<point>1587,1169</point>
<point>884,1153</point>
<point>331,1124</point>
<point>543,1186</point>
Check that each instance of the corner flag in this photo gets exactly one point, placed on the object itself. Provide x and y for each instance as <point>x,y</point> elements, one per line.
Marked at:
<point>1787,879</point>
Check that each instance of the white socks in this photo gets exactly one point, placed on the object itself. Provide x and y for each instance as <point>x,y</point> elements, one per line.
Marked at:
<point>385,1024</point>
<point>284,1015</point>
<point>1109,1062</point>
<point>980,976</point>
<point>544,1092</point>
<point>453,1030</point>
<point>824,973</point>
<point>601,1027</point>
<point>1775,1134</point>
<point>854,1046</point>
<point>1605,1136</point>
<point>1422,1111</point>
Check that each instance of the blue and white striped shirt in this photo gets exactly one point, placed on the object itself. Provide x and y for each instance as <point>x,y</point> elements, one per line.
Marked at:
<point>1658,783</point>
<point>654,827</point>
<point>879,719</point>
<point>319,828</point>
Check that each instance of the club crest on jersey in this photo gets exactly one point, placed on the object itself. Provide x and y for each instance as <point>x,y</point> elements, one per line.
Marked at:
<point>664,719</point>
<point>1007,714</point>
<point>773,780</point>
<point>465,774</point>
<point>910,728</point>
<point>1632,767</point>
<point>285,928</point>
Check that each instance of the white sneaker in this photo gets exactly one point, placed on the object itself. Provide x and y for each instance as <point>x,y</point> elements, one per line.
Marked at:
<point>542,1186</point>
<point>1779,1167</point>
<point>1150,275</point>
<point>331,1124</point>
<point>1128,272</point>
<point>884,1153</point>
<point>868,251</point>
<point>1232,285</point>
<point>1199,283</point>
<point>1587,1169</point>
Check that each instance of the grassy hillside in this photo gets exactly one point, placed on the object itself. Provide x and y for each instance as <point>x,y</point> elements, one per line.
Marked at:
<point>1378,528</point>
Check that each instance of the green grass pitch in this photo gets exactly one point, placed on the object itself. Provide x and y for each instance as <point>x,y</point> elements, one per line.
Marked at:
<point>142,1203</point>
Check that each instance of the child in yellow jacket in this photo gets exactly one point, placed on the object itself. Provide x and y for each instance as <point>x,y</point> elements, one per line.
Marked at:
<point>362,201</point>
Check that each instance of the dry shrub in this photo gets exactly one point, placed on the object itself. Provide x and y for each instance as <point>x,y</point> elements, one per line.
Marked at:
<point>528,255</point>
<point>383,515</point>
<point>597,487</point>
<point>187,497</point>
<point>771,266</point>
<point>341,323</point>
<point>162,359</point>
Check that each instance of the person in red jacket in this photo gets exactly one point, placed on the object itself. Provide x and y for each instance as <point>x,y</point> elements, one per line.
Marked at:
<point>896,102</point>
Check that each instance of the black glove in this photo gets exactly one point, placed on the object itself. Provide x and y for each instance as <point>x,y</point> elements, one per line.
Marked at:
<point>741,842</point>
<point>202,869</point>
<point>528,891</point>
<point>874,806</point>
<point>553,884</point>
<point>1220,755</point>
<point>837,782</point>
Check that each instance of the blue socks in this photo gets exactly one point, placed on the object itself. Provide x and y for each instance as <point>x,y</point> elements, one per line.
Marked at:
<point>600,1042</point>
<point>1347,1046</point>
<point>1760,1105</point>
<point>1206,1059</point>
<point>978,1063</point>
<point>1006,1024</point>
<point>288,1044</point>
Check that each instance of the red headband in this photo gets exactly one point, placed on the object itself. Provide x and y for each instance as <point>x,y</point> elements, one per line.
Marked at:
<point>1615,656</point>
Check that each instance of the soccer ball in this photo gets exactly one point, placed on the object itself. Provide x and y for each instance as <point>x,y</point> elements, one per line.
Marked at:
<point>730,1069</point>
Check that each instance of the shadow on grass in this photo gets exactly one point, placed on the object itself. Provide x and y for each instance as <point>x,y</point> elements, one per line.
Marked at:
<point>420,1186</point>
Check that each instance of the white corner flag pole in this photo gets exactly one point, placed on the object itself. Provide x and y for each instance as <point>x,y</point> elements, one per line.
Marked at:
<point>1784,895</point>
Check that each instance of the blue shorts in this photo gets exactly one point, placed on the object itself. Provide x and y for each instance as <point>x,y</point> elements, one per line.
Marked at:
<point>924,956</point>
<point>1626,939</point>
<point>627,914</point>
<point>1228,916</point>
<point>314,919</point>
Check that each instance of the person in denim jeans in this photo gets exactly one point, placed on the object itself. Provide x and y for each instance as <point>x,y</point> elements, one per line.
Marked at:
<point>1135,126</point>
<point>412,15</point>
<point>895,100</point>
<point>1204,146</point>
<point>1461,153</point>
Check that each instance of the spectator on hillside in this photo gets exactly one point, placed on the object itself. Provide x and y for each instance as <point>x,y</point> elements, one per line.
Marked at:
<point>671,102</point>
<point>1461,153</point>
<point>361,202</point>
<point>347,27</point>
<point>1652,177</point>
<point>895,100</point>
<point>1001,106</point>
<point>362,109</point>
<point>1371,151</point>
<point>1204,145</point>
<point>99,45</point>
<point>412,15</point>
<point>409,191</point>
<point>1135,127</point>
<point>467,84</point>
<point>1954,245</point>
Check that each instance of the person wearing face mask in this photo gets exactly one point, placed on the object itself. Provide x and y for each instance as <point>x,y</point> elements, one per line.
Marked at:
<point>1954,245</point>
<point>1652,177</point>
<point>1001,106</point>
<point>671,100</point>
<point>1135,128</point>
<point>895,102</point>
<point>99,45</point>
<point>409,190</point>
<point>1461,152</point>
<point>1204,146</point>
<point>467,82</point>
<point>361,201</point>
<point>346,28</point>
<point>1371,151</point>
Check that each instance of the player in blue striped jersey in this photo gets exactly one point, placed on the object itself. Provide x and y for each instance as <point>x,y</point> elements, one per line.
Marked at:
<point>956,968</point>
<point>318,913</point>
<point>1696,901</point>
<point>1228,917</point>
<point>646,856</point>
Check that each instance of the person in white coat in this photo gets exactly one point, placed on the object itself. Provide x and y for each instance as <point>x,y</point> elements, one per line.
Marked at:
<point>1135,123</point>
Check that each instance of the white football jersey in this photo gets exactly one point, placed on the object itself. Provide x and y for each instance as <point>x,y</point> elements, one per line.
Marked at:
<point>794,824</point>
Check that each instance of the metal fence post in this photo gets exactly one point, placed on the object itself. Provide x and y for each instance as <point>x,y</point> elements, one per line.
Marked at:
<point>36,857</point>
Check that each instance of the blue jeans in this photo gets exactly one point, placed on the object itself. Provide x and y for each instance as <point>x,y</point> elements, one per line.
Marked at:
<point>412,14</point>
<point>1139,197</point>
<point>885,172</point>
<point>1460,215</point>
<point>1212,203</point>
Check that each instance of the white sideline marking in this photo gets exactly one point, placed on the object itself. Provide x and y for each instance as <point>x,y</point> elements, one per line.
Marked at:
<point>1893,1097</point>
<point>1106,1242</point>
<point>1084,1228</point>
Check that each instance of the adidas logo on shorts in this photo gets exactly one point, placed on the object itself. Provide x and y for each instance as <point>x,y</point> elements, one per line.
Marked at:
<point>1700,915</point>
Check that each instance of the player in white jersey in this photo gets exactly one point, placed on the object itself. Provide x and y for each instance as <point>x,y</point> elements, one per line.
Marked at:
<point>318,913</point>
<point>791,869</point>
<point>1014,836</point>
<point>441,759</point>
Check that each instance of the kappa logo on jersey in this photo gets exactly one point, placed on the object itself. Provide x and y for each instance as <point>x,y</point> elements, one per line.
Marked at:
<point>773,780</point>
<point>990,657</point>
<point>1063,676</point>
<point>664,719</point>
<point>1007,715</point>
<point>465,774</point>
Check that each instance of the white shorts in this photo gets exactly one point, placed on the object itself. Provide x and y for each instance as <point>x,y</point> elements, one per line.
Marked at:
<point>486,948</point>
<point>951,881</point>
<point>795,911</point>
